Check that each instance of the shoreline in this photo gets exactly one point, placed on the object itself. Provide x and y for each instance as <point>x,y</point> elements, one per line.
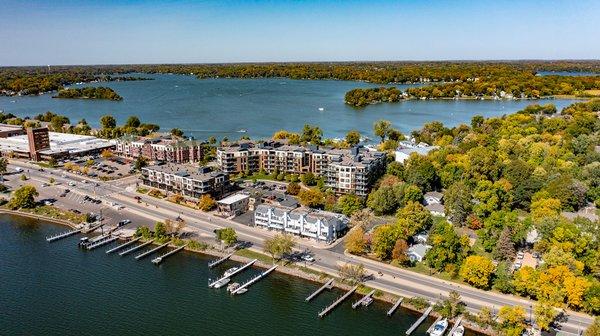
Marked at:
<point>318,277</point>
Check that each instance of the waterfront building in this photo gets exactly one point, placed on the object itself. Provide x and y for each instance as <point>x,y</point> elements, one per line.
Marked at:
<point>161,149</point>
<point>345,171</point>
<point>233,205</point>
<point>188,182</point>
<point>406,148</point>
<point>320,225</point>
<point>7,130</point>
<point>39,144</point>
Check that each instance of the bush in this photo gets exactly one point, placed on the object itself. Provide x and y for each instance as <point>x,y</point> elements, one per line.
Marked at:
<point>293,188</point>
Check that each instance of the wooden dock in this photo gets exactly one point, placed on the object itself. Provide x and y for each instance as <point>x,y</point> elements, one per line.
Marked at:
<point>101,242</point>
<point>122,246</point>
<point>327,285</point>
<point>135,248</point>
<point>160,259</point>
<point>359,302</point>
<point>62,235</point>
<point>253,280</point>
<point>430,329</point>
<point>211,284</point>
<point>394,307</point>
<point>419,321</point>
<point>214,263</point>
<point>337,302</point>
<point>456,324</point>
<point>149,252</point>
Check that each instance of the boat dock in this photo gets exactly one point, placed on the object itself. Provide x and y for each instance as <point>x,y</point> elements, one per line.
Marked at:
<point>357,303</point>
<point>214,263</point>
<point>253,280</point>
<point>158,260</point>
<point>234,273</point>
<point>92,228</point>
<point>101,242</point>
<point>419,321</point>
<point>135,248</point>
<point>149,252</point>
<point>327,285</point>
<point>337,302</point>
<point>456,325</point>
<point>430,329</point>
<point>394,307</point>
<point>122,246</point>
<point>62,235</point>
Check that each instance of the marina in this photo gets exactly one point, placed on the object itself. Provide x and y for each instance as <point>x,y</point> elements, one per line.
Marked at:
<point>365,300</point>
<point>326,285</point>
<point>135,248</point>
<point>62,235</point>
<point>229,275</point>
<point>419,321</point>
<point>105,241</point>
<point>160,259</point>
<point>395,306</point>
<point>219,261</point>
<point>337,302</point>
<point>243,288</point>
<point>124,245</point>
<point>151,251</point>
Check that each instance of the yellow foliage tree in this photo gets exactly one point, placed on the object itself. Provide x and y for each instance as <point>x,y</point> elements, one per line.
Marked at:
<point>545,208</point>
<point>477,271</point>
<point>550,287</point>
<point>524,280</point>
<point>355,240</point>
<point>575,287</point>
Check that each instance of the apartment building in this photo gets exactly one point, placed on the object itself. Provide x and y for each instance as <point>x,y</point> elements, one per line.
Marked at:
<point>187,182</point>
<point>345,171</point>
<point>320,225</point>
<point>161,149</point>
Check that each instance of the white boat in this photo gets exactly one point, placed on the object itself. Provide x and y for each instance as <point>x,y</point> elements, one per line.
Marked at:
<point>242,291</point>
<point>459,331</point>
<point>230,271</point>
<point>221,283</point>
<point>439,328</point>
<point>366,302</point>
<point>321,109</point>
<point>233,287</point>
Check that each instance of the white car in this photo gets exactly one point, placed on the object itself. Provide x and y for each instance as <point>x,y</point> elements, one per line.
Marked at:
<point>72,184</point>
<point>308,257</point>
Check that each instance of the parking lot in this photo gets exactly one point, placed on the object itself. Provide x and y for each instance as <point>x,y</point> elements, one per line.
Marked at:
<point>98,167</point>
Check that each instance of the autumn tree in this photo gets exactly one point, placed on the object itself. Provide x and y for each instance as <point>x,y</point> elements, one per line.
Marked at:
<point>312,198</point>
<point>381,128</point>
<point>384,239</point>
<point>206,203</point>
<point>23,197</point>
<point>353,137</point>
<point>279,245</point>
<point>413,218</point>
<point>477,271</point>
<point>399,251</point>
<point>352,273</point>
<point>355,240</point>
<point>544,315</point>
<point>512,320</point>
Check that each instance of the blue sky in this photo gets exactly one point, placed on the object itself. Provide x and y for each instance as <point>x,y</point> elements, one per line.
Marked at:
<point>110,32</point>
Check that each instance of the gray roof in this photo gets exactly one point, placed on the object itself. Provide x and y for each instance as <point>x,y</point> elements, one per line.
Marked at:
<point>435,207</point>
<point>419,249</point>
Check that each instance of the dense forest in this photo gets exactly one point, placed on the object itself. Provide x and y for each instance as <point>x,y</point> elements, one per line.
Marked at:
<point>363,97</point>
<point>35,80</point>
<point>88,93</point>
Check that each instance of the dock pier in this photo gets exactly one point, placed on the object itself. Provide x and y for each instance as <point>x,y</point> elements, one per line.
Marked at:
<point>456,325</point>
<point>327,285</point>
<point>62,235</point>
<point>211,284</point>
<point>214,263</point>
<point>122,246</point>
<point>101,242</point>
<point>357,303</point>
<point>337,302</point>
<point>92,228</point>
<point>419,321</point>
<point>160,259</point>
<point>394,307</point>
<point>149,252</point>
<point>253,280</point>
<point>135,248</point>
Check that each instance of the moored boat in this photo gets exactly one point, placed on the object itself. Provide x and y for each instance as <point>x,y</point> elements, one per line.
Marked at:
<point>233,287</point>
<point>439,328</point>
<point>221,283</point>
<point>459,331</point>
<point>230,271</point>
<point>367,301</point>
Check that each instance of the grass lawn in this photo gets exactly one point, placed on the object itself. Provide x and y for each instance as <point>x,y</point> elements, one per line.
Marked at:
<point>54,212</point>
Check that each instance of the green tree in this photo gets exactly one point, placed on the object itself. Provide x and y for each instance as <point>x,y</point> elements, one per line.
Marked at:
<point>419,170</point>
<point>24,197</point>
<point>108,122</point>
<point>353,137</point>
<point>177,132</point>
<point>544,315</point>
<point>413,218</point>
<point>448,248</point>
<point>505,248</point>
<point>3,167</point>
<point>160,230</point>
<point>140,163</point>
<point>383,240</point>
<point>227,235</point>
<point>457,201</point>
<point>349,204</point>
<point>311,134</point>
<point>503,278</point>
<point>309,179</point>
<point>477,271</point>
<point>312,198</point>
<point>133,122</point>
<point>395,168</point>
<point>381,128</point>
<point>279,245</point>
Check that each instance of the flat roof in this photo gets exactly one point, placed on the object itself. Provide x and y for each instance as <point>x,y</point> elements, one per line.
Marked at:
<point>59,143</point>
<point>8,127</point>
<point>233,199</point>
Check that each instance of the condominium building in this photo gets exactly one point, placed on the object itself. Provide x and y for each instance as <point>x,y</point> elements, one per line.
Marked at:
<point>345,171</point>
<point>162,149</point>
<point>320,225</point>
<point>188,182</point>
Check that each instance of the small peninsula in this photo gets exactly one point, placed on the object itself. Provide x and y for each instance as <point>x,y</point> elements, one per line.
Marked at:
<point>89,93</point>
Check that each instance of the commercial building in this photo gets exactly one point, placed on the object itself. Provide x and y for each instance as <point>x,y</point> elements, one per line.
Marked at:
<point>161,149</point>
<point>406,148</point>
<point>233,205</point>
<point>187,182</point>
<point>7,130</point>
<point>345,171</point>
<point>39,144</point>
<point>320,225</point>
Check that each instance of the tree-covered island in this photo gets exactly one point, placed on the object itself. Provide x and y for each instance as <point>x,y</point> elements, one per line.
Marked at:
<point>89,93</point>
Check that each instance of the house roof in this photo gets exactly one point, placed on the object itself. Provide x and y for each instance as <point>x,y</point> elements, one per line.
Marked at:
<point>419,249</point>
<point>435,207</point>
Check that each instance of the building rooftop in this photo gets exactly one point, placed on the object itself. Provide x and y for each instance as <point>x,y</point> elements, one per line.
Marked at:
<point>200,174</point>
<point>312,215</point>
<point>59,143</point>
<point>7,127</point>
<point>233,199</point>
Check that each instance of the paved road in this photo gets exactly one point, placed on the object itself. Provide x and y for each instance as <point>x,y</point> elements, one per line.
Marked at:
<point>394,280</point>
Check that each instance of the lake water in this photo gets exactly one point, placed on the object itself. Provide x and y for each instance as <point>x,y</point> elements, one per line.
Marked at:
<point>57,289</point>
<point>222,107</point>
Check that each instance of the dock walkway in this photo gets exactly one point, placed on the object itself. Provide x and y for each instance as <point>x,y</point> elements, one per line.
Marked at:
<point>149,252</point>
<point>214,263</point>
<point>211,284</point>
<point>337,302</point>
<point>419,321</point>
<point>160,259</point>
<point>122,246</point>
<point>106,240</point>
<point>135,248</point>
<point>253,280</point>
<point>62,235</point>
<point>363,299</point>
<point>394,307</point>
<point>456,325</point>
<point>327,285</point>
